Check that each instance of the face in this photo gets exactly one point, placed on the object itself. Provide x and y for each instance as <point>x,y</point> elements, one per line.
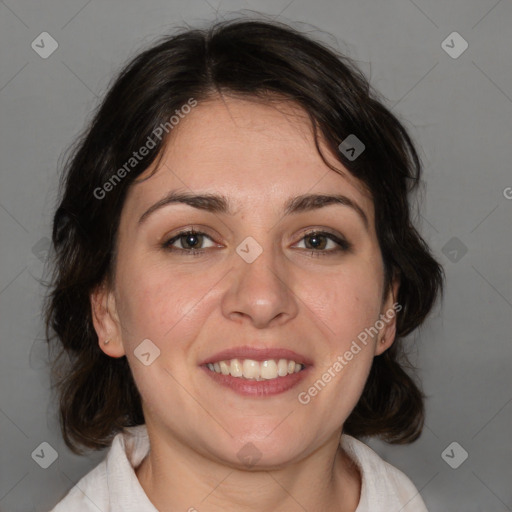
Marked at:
<point>266,277</point>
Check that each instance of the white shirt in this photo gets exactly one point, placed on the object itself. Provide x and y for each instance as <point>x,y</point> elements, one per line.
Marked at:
<point>112,486</point>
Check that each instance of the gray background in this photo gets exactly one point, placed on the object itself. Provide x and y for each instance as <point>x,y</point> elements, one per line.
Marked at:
<point>459,110</point>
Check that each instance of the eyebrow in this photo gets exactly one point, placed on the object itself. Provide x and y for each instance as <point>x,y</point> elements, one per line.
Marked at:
<point>220,204</point>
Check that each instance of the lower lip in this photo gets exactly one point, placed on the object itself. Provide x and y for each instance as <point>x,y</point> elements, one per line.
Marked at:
<point>261,388</point>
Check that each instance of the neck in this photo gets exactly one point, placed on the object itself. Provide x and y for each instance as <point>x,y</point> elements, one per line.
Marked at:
<point>174,475</point>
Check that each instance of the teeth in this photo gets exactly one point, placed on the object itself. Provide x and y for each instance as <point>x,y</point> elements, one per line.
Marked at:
<point>251,369</point>
<point>224,368</point>
<point>269,369</point>
<point>282,368</point>
<point>256,370</point>
<point>235,369</point>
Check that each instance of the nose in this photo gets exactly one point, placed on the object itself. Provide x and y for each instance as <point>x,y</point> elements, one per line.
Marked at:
<point>260,292</point>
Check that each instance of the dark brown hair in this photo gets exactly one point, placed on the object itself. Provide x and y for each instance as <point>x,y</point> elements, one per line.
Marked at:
<point>260,60</point>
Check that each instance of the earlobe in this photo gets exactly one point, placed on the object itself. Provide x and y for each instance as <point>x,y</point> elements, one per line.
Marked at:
<point>386,339</point>
<point>388,316</point>
<point>106,322</point>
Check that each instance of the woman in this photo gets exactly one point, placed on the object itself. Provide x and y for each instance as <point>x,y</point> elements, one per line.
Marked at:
<point>235,270</point>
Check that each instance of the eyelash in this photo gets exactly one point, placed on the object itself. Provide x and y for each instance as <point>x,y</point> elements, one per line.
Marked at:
<point>343,245</point>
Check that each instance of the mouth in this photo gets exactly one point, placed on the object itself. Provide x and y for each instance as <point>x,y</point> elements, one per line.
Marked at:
<point>257,372</point>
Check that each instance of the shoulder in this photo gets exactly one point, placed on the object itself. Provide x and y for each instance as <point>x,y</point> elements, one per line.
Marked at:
<point>113,482</point>
<point>89,494</point>
<point>384,486</point>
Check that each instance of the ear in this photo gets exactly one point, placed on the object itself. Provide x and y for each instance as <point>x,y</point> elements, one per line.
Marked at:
<point>106,321</point>
<point>389,311</point>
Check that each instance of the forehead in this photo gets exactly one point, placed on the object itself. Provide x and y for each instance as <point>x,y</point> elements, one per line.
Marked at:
<point>254,152</point>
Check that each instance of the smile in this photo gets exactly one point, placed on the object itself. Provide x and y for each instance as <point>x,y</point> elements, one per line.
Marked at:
<point>256,370</point>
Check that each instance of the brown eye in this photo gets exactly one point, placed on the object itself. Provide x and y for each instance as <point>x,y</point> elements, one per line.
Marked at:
<point>323,242</point>
<point>316,241</point>
<point>188,241</point>
<point>191,240</point>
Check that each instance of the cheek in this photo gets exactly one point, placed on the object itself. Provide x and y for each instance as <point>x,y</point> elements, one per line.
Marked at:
<point>162,305</point>
<point>170,310</point>
<point>343,308</point>
<point>343,304</point>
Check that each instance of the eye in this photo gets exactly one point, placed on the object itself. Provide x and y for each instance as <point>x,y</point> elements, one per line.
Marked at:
<point>324,243</point>
<point>189,241</point>
<point>318,243</point>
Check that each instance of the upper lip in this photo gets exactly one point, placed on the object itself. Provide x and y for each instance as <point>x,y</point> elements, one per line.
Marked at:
<point>257,354</point>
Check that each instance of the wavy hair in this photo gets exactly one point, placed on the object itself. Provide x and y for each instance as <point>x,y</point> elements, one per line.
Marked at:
<point>253,59</point>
